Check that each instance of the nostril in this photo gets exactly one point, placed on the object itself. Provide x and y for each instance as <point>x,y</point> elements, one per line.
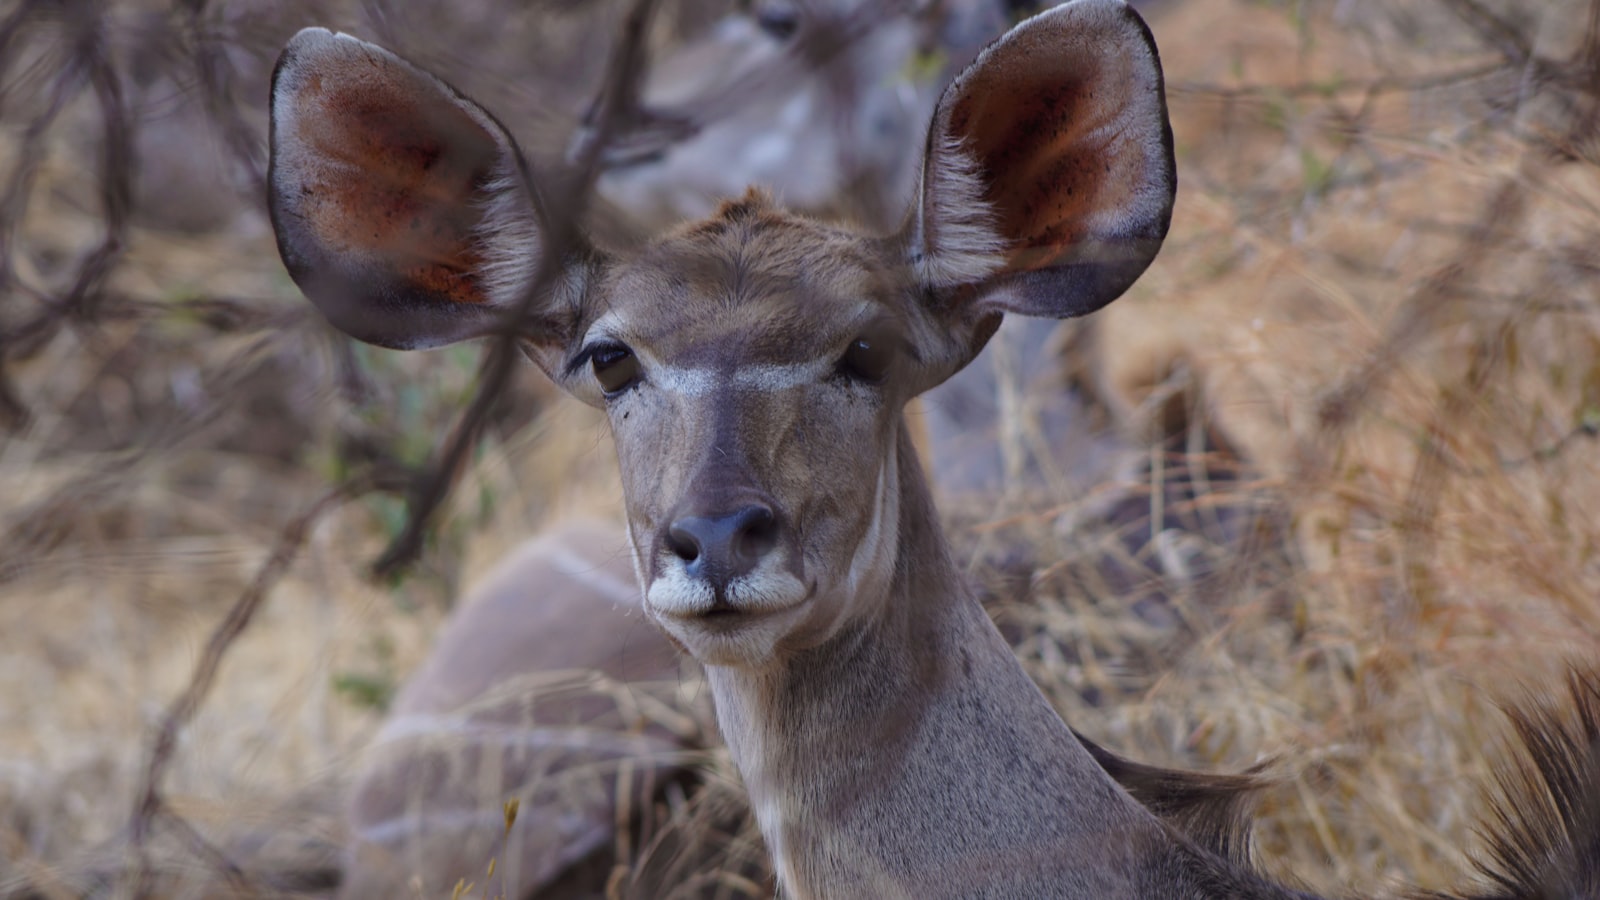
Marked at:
<point>683,543</point>
<point>756,533</point>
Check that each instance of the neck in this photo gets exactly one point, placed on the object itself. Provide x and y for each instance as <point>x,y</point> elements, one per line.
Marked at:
<point>911,751</point>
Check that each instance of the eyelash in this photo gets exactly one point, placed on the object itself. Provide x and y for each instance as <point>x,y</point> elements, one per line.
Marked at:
<point>615,367</point>
<point>868,359</point>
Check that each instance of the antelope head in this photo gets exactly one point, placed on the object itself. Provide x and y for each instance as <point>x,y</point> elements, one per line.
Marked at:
<point>753,365</point>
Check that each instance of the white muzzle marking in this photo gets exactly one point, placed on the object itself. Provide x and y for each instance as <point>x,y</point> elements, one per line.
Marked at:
<point>677,594</point>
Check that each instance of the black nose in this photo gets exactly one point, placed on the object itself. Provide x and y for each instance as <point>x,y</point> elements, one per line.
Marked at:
<point>720,548</point>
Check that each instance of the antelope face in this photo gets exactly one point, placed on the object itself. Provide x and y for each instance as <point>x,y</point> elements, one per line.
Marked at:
<point>753,365</point>
<point>753,368</point>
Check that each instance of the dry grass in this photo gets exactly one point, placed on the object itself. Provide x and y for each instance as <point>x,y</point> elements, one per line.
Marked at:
<point>1381,277</point>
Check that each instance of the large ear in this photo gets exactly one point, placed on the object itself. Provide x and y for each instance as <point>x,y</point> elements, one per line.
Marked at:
<point>1048,178</point>
<point>398,203</point>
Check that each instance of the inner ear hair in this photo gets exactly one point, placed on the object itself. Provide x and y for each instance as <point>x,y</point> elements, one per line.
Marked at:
<point>1049,177</point>
<point>402,208</point>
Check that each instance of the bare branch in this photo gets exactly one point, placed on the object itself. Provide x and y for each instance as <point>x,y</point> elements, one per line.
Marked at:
<point>150,803</point>
<point>617,100</point>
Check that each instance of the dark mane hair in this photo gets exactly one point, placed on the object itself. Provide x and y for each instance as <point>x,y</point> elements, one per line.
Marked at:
<point>1542,830</point>
<point>1212,810</point>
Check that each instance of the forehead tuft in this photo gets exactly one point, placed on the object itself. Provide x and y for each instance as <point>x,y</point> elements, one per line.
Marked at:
<point>776,285</point>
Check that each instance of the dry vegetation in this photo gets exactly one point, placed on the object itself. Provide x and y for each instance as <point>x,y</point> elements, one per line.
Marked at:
<point>1381,289</point>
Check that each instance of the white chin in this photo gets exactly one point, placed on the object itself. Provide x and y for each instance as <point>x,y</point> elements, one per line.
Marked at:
<point>731,640</point>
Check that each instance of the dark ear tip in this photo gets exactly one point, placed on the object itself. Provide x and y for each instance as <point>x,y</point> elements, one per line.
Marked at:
<point>391,312</point>
<point>1075,289</point>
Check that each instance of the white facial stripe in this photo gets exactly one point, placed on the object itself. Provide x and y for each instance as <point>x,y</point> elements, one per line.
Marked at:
<point>874,556</point>
<point>608,324</point>
<point>684,382</point>
<point>697,381</point>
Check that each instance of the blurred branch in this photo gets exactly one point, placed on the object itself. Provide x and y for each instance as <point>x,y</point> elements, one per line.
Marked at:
<point>89,63</point>
<point>1338,408</point>
<point>1587,427</point>
<point>150,804</point>
<point>650,131</point>
<point>116,168</point>
<point>216,79</point>
<point>10,28</point>
<point>1494,30</point>
<point>1388,84</point>
<point>1575,77</point>
<point>1583,130</point>
<point>618,100</point>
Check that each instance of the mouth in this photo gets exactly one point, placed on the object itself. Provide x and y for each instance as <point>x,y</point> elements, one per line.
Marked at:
<point>676,595</point>
<point>739,627</point>
<point>722,614</point>
<point>724,611</point>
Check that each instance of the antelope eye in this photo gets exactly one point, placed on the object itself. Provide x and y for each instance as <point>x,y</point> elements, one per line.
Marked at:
<point>616,368</point>
<point>867,359</point>
<point>780,20</point>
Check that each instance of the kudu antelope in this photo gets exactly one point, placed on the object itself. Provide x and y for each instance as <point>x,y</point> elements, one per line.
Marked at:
<point>753,367</point>
<point>465,717</point>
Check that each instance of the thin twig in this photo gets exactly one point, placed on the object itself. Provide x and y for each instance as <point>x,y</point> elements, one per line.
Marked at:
<point>652,130</point>
<point>1387,84</point>
<point>216,78</point>
<point>14,200</point>
<point>10,30</point>
<point>150,803</point>
<point>116,166</point>
<point>1584,429</point>
<point>1338,408</point>
<point>90,61</point>
<point>239,883</point>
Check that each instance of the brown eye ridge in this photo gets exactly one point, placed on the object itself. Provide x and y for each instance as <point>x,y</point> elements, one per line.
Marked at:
<point>616,368</point>
<point>867,359</point>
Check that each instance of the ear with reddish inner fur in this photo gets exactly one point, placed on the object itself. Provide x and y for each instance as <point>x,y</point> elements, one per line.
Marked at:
<point>398,203</point>
<point>1048,178</point>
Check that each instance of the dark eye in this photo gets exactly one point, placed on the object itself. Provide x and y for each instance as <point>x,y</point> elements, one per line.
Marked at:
<point>780,20</point>
<point>867,359</point>
<point>616,368</point>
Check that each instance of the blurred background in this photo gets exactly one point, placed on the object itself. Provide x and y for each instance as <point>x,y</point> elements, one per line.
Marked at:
<point>1320,492</point>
